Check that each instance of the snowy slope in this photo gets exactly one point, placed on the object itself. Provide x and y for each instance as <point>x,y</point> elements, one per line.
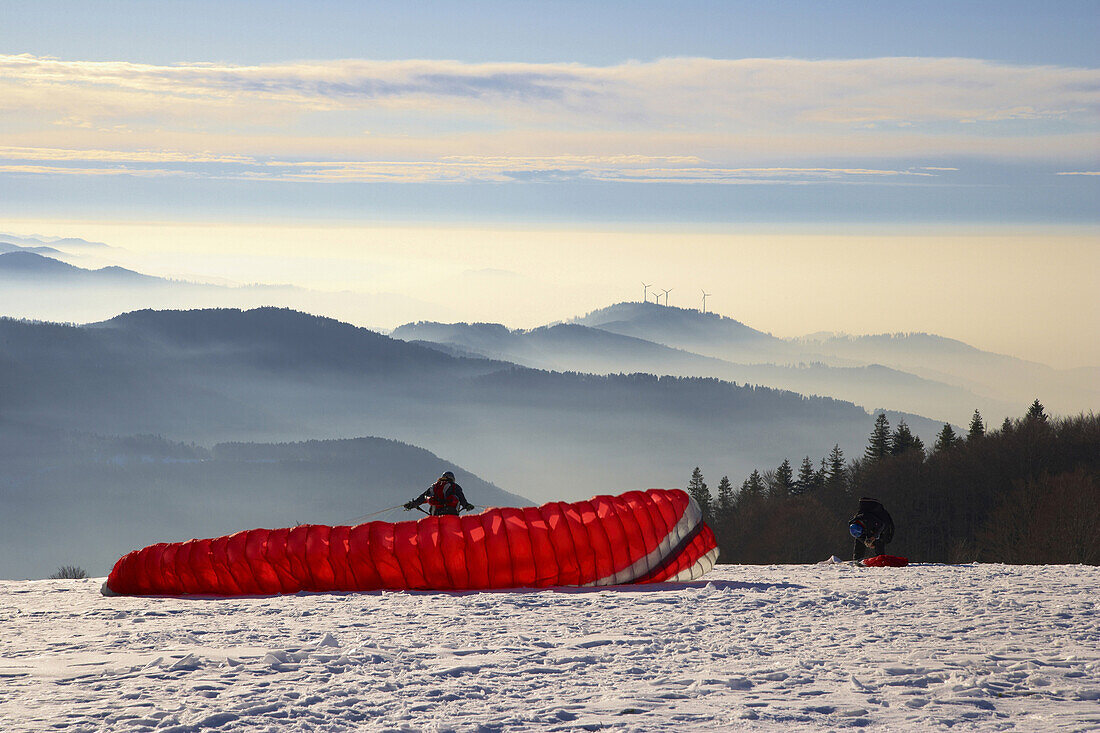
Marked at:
<point>975,647</point>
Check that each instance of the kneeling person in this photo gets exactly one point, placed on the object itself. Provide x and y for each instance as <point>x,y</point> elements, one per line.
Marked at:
<point>871,527</point>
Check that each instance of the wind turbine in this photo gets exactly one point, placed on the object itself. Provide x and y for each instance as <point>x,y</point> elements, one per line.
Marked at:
<point>705,294</point>
<point>645,291</point>
<point>666,292</point>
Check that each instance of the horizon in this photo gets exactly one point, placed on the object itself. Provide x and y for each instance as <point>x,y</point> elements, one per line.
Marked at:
<point>406,273</point>
<point>873,168</point>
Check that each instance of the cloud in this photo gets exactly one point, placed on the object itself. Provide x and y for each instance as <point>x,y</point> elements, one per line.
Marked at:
<point>505,169</point>
<point>677,119</point>
<point>134,156</point>
<point>447,169</point>
<point>57,170</point>
<point>1079,173</point>
<point>696,92</point>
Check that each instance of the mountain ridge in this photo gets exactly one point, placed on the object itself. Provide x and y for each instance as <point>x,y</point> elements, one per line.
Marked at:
<point>274,375</point>
<point>26,263</point>
<point>576,347</point>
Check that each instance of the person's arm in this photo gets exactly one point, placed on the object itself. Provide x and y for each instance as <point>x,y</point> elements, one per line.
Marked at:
<point>887,534</point>
<point>462,498</point>
<point>412,504</point>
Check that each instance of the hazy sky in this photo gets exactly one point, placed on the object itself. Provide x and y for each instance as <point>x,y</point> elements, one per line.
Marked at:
<point>933,159</point>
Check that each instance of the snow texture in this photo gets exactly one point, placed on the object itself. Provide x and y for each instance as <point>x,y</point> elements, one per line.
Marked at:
<point>818,647</point>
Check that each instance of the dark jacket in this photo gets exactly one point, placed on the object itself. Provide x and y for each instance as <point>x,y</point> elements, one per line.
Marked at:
<point>443,497</point>
<point>878,528</point>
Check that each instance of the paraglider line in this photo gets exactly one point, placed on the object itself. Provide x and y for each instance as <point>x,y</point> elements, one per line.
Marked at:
<point>359,519</point>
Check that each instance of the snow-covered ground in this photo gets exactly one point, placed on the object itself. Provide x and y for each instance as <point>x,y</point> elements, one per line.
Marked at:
<point>982,647</point>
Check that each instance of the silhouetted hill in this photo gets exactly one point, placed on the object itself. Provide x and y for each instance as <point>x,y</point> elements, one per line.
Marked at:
<point>281,339</point>
<point>87,499</point>
<point>42,250</point>
<point>914,347</point>
<point>567,347</point>
<point>20,261</point>
<point>483,338</point>
<point>25,264</point>
<point>53,242</point>
<point>204,375</point>
<point>47,288</point>
<point>999,377</point>
<point>75,243</point>
<point>573,347</point>
<point>563,347</point>
<point>996,382</point>
<point>682,328</point>
<point>277,375</point>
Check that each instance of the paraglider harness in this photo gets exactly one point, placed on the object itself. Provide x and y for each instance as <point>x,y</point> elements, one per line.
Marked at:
<point>443,497</point>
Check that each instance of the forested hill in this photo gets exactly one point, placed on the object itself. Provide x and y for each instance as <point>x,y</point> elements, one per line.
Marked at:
<point>574,347</point>
<point>684,328</point>
<point>564,347</point>
<point>75,498</point>
<point>1024,492</point>
<point>278,339</point>
<point>278,375</point>
<point>929,374</point>
<point>21,264</point>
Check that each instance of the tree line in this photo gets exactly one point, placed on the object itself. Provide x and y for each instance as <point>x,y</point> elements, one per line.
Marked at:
<point>1028,492</point>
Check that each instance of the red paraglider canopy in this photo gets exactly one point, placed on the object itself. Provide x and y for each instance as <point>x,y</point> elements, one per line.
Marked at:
<point>886,561</point>
<point>637,537</point>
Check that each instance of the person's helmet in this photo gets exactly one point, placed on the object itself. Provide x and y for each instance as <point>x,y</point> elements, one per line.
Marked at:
<point>856,529</point>
<point>448,475</point>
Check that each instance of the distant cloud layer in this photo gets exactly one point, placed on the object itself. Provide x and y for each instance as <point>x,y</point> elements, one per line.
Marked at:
<point>678,120</point>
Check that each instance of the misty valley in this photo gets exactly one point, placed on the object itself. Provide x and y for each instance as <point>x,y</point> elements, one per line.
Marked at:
<point>170,424</point>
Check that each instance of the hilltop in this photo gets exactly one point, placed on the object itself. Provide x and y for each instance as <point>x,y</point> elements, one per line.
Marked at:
<point>280,375</point>
<point>916,373</point>
<point>80,497</point>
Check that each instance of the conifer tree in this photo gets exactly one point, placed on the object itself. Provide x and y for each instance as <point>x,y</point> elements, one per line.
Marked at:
<point>854,475</point>
<point>784,479</point>
<point>752,488</point>
<point>698,490</point>
<point>1006,426</point>
<point>836,475</point>
<point>1035,413</point>
<point>879,444</point>
<point>804,484</point>
<point>946,440</point>
<point>977,427</point>
<point>902,440</point>
<point>724,507</point>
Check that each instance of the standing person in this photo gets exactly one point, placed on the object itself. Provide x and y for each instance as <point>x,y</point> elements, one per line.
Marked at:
<point>443,497</point>
<point>871,527</point>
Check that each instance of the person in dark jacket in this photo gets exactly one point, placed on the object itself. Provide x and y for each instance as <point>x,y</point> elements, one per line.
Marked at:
<point>871,527</point>
<point>443,497</point>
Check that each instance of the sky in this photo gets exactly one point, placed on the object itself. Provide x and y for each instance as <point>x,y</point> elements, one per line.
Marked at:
<point>917,153</point>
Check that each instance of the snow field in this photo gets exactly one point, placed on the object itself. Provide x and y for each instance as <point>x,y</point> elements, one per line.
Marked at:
<point>825,647</point>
